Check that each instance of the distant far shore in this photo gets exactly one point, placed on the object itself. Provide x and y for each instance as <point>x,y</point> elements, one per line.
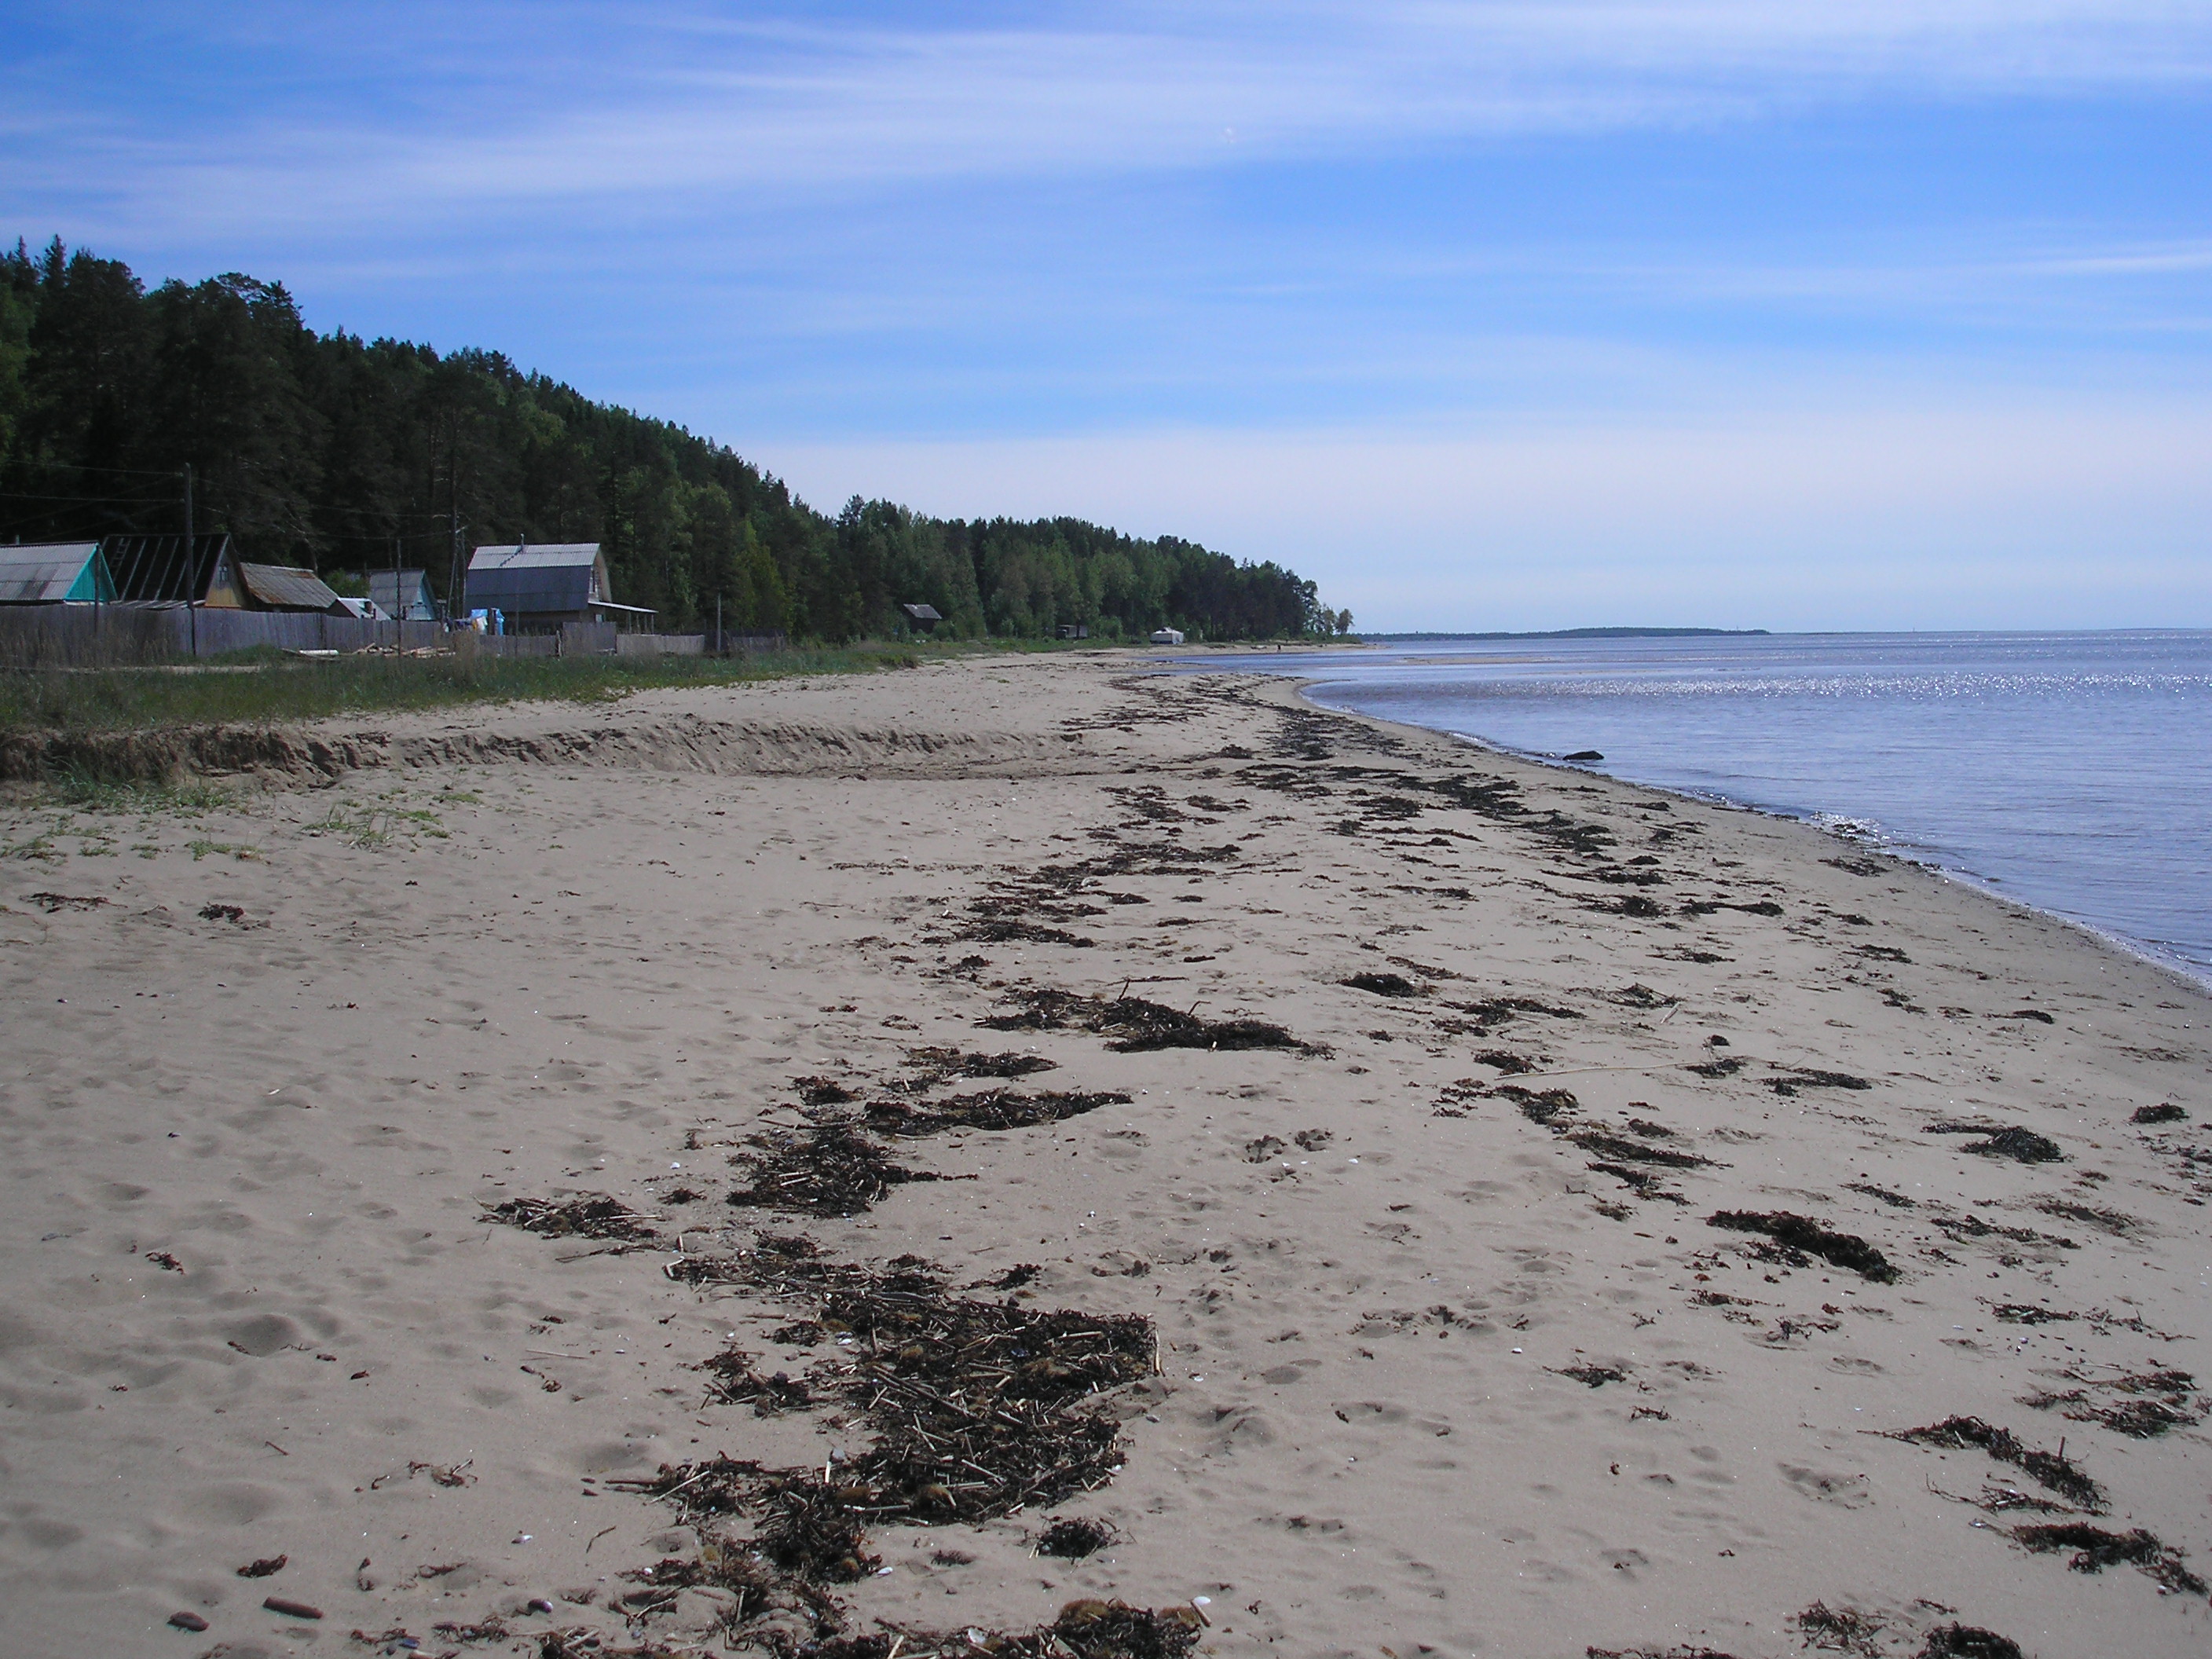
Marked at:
<point>1583,634</point>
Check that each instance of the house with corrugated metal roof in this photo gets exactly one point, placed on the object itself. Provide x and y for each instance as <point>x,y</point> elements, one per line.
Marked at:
<point>541,586</point>
<point>387,589</point>
<point>176,570</point>
<point>54,572</point>
<point>287,587</point>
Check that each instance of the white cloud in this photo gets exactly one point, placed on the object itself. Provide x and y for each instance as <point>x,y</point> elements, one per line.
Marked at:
<point>649,102</point>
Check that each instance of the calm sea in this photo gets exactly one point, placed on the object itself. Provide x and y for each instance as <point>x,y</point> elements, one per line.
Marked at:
<point>2072,772</point>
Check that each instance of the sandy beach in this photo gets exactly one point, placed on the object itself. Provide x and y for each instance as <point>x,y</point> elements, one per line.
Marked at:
<point>1508,1212</point>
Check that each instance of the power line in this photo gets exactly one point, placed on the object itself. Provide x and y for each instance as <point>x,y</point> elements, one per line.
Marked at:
<point>75,467</point>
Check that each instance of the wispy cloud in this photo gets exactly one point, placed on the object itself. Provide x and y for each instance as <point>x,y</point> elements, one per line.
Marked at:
<point>503,106</point>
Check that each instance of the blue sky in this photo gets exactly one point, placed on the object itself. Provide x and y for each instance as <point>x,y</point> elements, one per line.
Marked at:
<point>1526,313</point>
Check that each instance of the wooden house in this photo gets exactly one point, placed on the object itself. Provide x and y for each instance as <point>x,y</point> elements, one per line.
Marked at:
<point>54,572</point>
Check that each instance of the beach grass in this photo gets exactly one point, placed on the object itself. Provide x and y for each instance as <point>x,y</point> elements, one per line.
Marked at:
<point>261,688</point>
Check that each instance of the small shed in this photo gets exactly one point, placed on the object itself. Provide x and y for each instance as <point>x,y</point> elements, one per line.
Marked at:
<point>54,572</point>
<point>175,570</point>
<point>548,586</point>
<point>1167,636</point>
<point>923,617</point>
<point>287,587</point>
<point>388,588</point>
<point>1074,630</point>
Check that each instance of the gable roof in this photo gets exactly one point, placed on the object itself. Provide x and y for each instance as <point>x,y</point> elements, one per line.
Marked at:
<point>414,585</point>
<point>531,577</point>
<point>534,555</point>
<point>49,572</point>
<point>287,587</point>
<point>166,567</point>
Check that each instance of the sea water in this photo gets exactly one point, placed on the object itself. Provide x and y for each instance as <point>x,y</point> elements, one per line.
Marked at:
<point>2069,771</point>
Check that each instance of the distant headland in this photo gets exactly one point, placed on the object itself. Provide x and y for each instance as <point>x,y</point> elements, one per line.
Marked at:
<point>1584,634</point>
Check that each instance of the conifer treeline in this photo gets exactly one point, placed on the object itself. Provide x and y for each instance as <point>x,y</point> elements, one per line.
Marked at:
<point>320,449</point>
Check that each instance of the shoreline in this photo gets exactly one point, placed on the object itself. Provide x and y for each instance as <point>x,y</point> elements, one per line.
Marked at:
<point>1307,1040</point>
<point>2197,976</point>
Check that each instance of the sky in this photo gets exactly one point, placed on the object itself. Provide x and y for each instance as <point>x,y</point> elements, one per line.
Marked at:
<point>1484,313</point>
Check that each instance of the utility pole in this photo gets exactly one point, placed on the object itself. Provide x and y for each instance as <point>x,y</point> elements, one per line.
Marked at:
<point>398,604</point>
<point>720,644</point>
<point>457,589</point>
<point>191,569</point>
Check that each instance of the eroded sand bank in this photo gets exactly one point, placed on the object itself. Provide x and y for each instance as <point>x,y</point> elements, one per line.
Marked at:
<point>1448,1360</point>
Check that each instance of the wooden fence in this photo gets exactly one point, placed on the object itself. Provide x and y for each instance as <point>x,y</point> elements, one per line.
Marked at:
<point>121,636</point>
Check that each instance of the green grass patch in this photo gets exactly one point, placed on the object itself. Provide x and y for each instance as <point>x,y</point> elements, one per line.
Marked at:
<point>87,792</point>
<point>252,689</point>
<point>203,848</point>
<point>368,826</point>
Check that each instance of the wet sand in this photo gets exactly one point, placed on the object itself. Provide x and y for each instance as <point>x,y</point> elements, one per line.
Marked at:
<point>1450,1354</point>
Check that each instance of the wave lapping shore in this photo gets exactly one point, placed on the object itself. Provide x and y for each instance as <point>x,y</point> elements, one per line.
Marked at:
<point>1042,1156</point>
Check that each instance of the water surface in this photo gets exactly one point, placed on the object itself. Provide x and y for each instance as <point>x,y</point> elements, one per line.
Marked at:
<point>2071,771</point>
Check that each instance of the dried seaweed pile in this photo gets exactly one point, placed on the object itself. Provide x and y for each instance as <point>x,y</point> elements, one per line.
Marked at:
<point>1799,1237</point>
<point>1479,1018</point>
<point>933,1066</point>
<point>2141,1405</point>
<point>2023,1146</point>
<point>1000,1108</point>
<point>1137,1026</point>
<point>1807,1077</point>
<point>1385,985</point>
<point>827,1170</point>
<point>1628,1159</point>
<point>589,1215</point>
<point>978,1409</point>
<point>2095,1548</point>
<point>2052,1470</point>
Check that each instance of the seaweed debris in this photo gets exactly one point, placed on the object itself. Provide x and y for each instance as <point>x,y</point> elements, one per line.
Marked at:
<point>1000,1109</point>
<point>2149,1403</point>
<point>2052,1470</point>
<point>589,1215</point>
<point>1104,1630</point>
<point>1802,1234</point>
<point>2166,1112</point>
<point>1806,1076</point>
<point>1385,985</point>
<point>2096,1549</point>
<point>1895,1201</point>
<point>736,1382</point>
<point>820,1172</point>
<point>1074,1537</point>
<point>2024,1145</point>
<point>1542,1106</point>
<point>822,1090</point>
<point>1957,1227</point>
<point>1956,1641</point>
<point>1842,1629</point>
<point>813,1530</point>
<point>979,1408</point>
<point>1607,1145</point>
<point>2110,1221</point>
<point>1594,1376</point>
<point>934,1066</point>
<point>1137,1026</point>
<point>1507,1061</point>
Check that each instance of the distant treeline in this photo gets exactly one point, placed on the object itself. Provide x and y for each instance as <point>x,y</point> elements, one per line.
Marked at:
<point>320,449</point>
